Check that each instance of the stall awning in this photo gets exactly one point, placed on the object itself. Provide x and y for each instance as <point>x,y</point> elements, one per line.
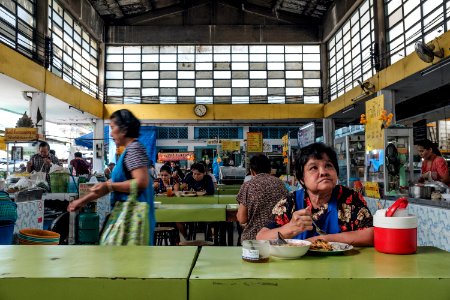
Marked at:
<point>87,139</point>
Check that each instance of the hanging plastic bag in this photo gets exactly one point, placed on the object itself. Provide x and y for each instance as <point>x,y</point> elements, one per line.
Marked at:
<point>128,223</point>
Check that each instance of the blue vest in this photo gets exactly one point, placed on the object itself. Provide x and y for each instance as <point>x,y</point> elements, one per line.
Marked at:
<point>327,222</point>
<point>119,175</point>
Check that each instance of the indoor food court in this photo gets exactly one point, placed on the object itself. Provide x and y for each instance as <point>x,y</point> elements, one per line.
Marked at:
<point>220,149</point>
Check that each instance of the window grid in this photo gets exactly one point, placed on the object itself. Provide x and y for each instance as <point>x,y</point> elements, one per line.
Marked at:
<point>276,132</point>
<point>213,74</point>
<point>217,132</point>
<point>349,51</point>
<point>18,26</point>
<point>409,22</point>
<point>75,52</point>
<point>167,133</point>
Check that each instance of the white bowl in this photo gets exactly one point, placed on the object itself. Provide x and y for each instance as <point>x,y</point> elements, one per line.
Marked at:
<point>157,204</point>
<point>446,197</point>
<point>295,249</point>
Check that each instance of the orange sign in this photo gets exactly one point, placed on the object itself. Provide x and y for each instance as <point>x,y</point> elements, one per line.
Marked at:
<point>21,134</point>
<point>254,142</point>
<point>175,156</point>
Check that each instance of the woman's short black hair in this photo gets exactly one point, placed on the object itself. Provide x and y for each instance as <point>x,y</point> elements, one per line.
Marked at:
<point>165,168</point>
<point>127,122</point>
<point>316,150</point>
<point>199,167</point>
<point>78,154</point>
<point>260,164</point>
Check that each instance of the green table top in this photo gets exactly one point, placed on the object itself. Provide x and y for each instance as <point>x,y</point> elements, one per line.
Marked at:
<point>94,272</point>
<point>220,272</point>
<point>191,213</point>
<point>214,199</point>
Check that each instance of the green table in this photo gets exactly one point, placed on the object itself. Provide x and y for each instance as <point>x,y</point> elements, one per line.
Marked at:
<point>94,272</point>
<point>215,199</point>
<point>220,273</point>
<point>191,213</point>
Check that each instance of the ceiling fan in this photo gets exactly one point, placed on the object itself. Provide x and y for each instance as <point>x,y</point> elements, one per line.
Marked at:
<point>426,51</point>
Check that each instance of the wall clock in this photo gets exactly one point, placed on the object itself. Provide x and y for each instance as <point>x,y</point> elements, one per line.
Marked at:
<point>200,110</point>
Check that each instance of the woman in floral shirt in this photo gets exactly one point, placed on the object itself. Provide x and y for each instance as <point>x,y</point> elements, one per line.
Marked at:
<point>337,210</point>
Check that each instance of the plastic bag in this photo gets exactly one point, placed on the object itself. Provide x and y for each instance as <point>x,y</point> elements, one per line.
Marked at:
<point>128,223</point>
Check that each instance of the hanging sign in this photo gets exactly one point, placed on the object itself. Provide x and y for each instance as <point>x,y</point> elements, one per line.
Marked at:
<point>213,142</point>
<point>2,143</point>
<point>374,133</point>
<point>372,189</point>
<point>306,135</point>
<point>254,142</point>
<point>231,146</point>
<point>267,147</point>
<point>175,156</point>
<point>21,134</point>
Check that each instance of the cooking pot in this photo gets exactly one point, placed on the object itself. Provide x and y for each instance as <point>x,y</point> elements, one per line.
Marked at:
<point>437,186</point>
<point>420,192</point>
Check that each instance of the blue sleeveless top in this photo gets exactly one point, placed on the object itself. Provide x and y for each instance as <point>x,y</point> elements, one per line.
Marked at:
<point>119,175</point>
<point>327,222</point>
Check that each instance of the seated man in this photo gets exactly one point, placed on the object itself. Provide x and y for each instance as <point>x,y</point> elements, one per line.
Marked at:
<point>198,181</point>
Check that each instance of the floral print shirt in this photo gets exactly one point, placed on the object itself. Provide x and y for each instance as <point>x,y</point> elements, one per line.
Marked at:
<point>353,213</point>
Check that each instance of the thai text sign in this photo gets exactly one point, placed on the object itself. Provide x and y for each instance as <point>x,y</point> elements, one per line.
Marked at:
<point>372,189</point>
<point>175,156</point>
<point>306,135</point>
<point>374,133</point>
<point>2,143</point>
<point>254,142</point>
<point>20,134</point>
<point>231,146</point>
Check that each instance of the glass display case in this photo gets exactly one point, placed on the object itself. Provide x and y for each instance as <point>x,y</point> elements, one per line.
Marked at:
<point>350,153</point>
<point>392,166</point>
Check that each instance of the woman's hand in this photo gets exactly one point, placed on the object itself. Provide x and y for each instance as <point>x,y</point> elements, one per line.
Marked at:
<point>75,205</point>
<point>301,221</point>
<point>100,189</point>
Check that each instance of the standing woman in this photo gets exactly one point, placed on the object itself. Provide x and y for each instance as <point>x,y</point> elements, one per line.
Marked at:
<point>132,164</point>
<point>434,165</point>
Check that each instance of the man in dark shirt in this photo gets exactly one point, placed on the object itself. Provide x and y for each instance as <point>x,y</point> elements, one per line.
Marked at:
<point>79,165</point>
<point>198,180</point>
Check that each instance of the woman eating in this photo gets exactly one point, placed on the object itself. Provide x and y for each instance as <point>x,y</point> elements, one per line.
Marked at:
<point>339,211</point>
<point>434,166</point>
<point>165,180</point>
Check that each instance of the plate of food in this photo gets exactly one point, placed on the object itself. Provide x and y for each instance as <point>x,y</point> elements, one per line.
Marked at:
<point>188,194</point>
<point>323,247</point>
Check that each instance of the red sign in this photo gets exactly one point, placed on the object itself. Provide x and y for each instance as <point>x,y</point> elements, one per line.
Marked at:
<point>175,156</point>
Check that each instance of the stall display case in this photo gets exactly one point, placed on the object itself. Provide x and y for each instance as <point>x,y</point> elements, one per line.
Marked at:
<point>392,166</point>
<point>350,153</point>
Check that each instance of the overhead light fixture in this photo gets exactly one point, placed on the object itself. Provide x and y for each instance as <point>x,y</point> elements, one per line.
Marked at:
<point>351,107</point>
<point>435,67</point>
<point>73,107</point>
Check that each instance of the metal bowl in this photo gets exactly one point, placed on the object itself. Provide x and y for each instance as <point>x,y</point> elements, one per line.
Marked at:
<point>420,192</point>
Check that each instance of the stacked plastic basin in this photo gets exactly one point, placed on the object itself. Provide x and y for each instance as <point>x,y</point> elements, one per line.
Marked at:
<point>8,217</point>
<point>31,236</point>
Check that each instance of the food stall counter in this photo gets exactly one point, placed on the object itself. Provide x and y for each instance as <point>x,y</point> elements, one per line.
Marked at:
<point>220,273</point>
<point>94,272</point>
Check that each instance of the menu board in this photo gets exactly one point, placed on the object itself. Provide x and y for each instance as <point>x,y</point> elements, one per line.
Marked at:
<point>372,189</point>
<point>231,146</point>
<point>254,142</point>
<point>306,135</point>
<point>419,130</point>
<point>175,156</point>
<point>374,133</point>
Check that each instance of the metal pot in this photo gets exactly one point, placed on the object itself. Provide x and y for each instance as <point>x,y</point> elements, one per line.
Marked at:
<point>437,186</point>
<point>420,192</point>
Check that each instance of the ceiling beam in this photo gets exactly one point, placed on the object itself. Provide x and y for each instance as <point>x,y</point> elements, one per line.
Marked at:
<point>160,13</point>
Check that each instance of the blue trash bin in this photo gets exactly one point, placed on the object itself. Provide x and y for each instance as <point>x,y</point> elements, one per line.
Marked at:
<point>6,233</point>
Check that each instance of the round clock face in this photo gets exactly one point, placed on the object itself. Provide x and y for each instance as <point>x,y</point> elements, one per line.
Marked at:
<point>200,110</point>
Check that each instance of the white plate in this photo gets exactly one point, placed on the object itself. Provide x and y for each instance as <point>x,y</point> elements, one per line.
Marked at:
<point>188,195</point>
<point>338,248</point>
